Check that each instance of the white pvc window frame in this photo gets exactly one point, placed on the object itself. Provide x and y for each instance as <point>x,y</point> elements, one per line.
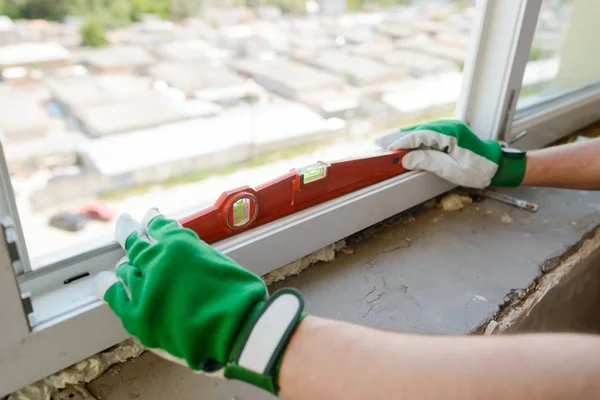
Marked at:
<point>69,324</point>
<point>492,82</point>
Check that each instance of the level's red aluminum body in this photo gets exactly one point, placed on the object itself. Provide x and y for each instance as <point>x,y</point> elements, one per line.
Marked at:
<point>245,208</point>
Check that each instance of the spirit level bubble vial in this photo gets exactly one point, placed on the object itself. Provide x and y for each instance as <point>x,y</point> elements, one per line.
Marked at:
<point>314,172</point>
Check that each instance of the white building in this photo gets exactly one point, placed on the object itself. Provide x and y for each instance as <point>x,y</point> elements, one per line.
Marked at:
<point>421,97</point>
<point>191,50</point>
<point>21,117</point>
<point>332,8</point>
<point>116,103</point>
<point>233,136</point>
<point>34,55</point>
<point>357,71</point>
<point>287,78</point>
<point>7,31</point>
<point>418,64</point>
<point>205,82</point>
<point>117,59</point>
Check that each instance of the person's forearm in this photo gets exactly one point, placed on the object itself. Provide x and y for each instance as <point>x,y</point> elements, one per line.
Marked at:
<point>572,166</point>
<point>334,360</point>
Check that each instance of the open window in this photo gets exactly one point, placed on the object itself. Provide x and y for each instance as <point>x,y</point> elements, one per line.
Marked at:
<point>157,132</point>
<point>561,80</point>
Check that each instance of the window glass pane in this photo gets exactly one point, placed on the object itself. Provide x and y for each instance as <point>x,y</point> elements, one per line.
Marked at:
<point>169,103</point>
<point>563,56</point>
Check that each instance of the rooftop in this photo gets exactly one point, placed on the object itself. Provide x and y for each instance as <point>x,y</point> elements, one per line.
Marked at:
<point>117,56</point>
<point>88,90</point>
<point>6,24</point>
<point>395,30</point>
<point>357,68</point>
<point>330,101</point>
<point>426,26</point>
<point>189,50</point>
<point>128,114</point>
<point>57,142</point>
<point>353,33</point>
<point>373,49</point>
<point>418,63</point>
<point>194,75</point>
<point>428,46</point>
<point>116,103</point>
<point>287,73</point>
<point>19,113</point>
<point>31,54</point>
<point>261,123</point>
<point>420,94</point>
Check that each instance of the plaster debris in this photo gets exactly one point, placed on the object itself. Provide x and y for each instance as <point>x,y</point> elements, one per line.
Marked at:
<point>325,254</point>
<point>491,327</point>
<point>82,372</point>
<point>454,202</point>
<point>506,219</point>
<point>348,250</point>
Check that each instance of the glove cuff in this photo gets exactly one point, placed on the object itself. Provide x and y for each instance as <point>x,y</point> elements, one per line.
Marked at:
<point>511,168</point>
<point>264,342</point>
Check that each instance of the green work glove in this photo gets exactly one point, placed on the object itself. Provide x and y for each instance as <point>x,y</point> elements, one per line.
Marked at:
<point>191,304</point>
<point>451,150</point>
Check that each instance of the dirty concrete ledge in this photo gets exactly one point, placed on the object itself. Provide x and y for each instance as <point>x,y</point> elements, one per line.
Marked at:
<point>426,271</point>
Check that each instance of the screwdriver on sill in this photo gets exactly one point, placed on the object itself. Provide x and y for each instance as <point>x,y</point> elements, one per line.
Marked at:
<point>506,199</point>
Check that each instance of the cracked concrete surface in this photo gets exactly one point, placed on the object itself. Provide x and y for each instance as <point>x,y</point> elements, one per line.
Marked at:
<point>441,272</point>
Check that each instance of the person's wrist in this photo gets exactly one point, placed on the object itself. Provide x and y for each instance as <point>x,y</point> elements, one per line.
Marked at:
<point>511,168</point>
<point>255,357</point>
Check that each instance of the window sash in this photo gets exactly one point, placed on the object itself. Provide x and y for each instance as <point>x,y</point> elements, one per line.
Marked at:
<point>551,120</point>
<point>496,65</point>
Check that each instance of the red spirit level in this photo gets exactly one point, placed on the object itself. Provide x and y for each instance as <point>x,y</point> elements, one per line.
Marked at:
<point>244,208</point>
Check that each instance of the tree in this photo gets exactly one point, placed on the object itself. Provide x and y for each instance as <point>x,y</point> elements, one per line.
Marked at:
<point>33,9</point>
<point>120,10</point>
<point>354,5</point>
<point>109,13</point>
<point>537,53</point>
<point>161,8</point>
<point>461,5</point>
<point>92,33</point>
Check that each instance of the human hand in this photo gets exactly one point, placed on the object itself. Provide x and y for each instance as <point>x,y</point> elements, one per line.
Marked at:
<point>451,150</point>
<point>192,305</point>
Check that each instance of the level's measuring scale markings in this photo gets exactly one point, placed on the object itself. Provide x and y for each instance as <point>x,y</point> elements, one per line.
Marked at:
<point>245,207</point>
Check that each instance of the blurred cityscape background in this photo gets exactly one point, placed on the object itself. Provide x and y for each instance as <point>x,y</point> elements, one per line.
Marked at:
<point>119,105</point>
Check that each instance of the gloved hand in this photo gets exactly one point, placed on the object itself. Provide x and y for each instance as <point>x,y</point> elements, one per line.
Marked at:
<point>191,304</point>
<point>451,150</point>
